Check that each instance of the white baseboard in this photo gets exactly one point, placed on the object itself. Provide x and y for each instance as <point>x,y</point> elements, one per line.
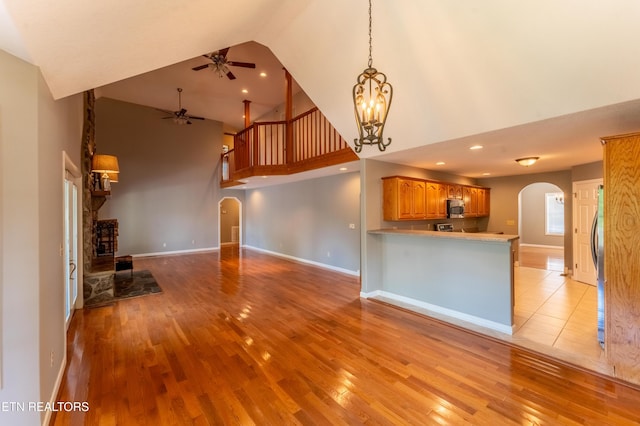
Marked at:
<point>309,262</point>
<point>409,303</point>
<point>168,253</point>
<point>56,387</point>
<point>541,246</point>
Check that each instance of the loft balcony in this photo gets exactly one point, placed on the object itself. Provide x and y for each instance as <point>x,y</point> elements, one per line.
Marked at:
<point>303,143</point>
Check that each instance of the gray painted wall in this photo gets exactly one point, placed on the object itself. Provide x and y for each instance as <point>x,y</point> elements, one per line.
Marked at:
<point>504,202</point>
<point>168,190</point>
<point>372,172</point>
<point>308,220</point>
<point>34,131</point>
<point>533,215</point>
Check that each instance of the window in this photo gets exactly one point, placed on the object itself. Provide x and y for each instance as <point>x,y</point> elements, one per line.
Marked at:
<point>554,213</point>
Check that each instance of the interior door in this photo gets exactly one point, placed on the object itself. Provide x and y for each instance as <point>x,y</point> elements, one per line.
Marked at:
<point>70,248</point>
<point>585,207</point>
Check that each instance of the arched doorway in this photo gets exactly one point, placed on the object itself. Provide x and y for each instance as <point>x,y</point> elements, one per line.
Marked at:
<point>541,226</point>
<point>229,223</point>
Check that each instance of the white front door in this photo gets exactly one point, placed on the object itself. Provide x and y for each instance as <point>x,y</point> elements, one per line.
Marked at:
<point>585,207</point>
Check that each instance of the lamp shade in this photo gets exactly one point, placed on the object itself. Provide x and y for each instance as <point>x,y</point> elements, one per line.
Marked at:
<point>101,163</point>
<point>113,177</point>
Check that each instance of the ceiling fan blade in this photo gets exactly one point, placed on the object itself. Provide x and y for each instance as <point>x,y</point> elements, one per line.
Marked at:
<point>193,117</point>
<point>188,122</point>
<point>231,76</point>
<point>223,52</point>
<point>200,67</point>
<point>241,64</point>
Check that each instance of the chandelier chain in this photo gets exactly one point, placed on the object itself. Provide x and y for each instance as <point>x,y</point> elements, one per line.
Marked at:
<point>370,57</point>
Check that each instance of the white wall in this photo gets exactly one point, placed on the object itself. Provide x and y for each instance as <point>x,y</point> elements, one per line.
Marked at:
<point>34,130</point>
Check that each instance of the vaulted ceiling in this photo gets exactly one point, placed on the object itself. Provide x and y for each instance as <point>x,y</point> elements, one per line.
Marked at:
<point>543,78</point>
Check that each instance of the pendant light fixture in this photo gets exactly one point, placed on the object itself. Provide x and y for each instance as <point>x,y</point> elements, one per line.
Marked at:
<point>371,100</point>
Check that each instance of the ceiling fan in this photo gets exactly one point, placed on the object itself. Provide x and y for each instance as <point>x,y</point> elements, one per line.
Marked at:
<point>220,64</point>
<point>180,116</point>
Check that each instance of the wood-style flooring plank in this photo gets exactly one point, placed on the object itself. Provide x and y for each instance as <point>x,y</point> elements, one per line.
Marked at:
<point>239,337</point>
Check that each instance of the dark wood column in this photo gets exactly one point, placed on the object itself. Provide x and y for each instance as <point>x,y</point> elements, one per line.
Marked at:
<point>247,113</point>
<point>288,110</point>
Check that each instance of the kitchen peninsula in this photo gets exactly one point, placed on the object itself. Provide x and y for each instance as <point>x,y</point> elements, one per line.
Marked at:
<point>461,275</point>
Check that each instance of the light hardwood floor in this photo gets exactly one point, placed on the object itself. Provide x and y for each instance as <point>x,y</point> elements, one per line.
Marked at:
<point>241,337</point>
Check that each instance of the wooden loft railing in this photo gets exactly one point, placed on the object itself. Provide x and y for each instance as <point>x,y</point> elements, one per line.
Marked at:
<point>306,142</point>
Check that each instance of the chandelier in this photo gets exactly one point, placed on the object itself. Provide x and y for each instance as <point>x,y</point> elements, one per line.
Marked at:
<point>371,99</point>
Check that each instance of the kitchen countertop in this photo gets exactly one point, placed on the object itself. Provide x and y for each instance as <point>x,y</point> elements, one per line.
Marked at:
<point>475,236</point>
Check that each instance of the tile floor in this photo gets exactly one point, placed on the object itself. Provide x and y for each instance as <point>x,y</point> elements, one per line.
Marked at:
<point>557,312</point>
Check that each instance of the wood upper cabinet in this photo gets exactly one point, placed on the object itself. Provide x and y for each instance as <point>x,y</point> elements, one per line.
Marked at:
<point>406,198</point>
<point>454,191</point>
<point>470,197</point>
<point>484,202</point>
<point>433,200</point>
<point>443,194</point>
<point>621,246</point>
<point>403,198</point>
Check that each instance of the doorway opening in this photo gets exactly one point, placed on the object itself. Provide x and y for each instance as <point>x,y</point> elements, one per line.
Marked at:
<point>229,223</point>
<point>541,227</point>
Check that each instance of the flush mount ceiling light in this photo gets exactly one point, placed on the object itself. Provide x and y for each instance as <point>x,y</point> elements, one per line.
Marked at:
<point>527,161</point>
<point>371,99</point>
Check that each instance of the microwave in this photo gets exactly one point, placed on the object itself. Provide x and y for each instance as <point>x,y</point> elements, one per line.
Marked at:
<point>455,208</point>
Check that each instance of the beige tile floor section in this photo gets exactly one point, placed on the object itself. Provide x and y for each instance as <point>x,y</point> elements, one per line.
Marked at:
<point>556,312</point>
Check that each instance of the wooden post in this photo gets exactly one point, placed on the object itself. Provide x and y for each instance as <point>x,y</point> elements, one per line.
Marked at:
<point>288,111</point>
<point>247,114</point>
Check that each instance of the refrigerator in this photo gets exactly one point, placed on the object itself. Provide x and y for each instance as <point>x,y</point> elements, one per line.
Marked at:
<point>597,252</point>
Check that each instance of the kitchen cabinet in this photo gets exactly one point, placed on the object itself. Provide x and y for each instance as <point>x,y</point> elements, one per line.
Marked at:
<point>621,246</point>
<point>404,198</point>
<point>454,191</point>
<point>484,197</point>
<point>470,197</point>
<point>442,200</point>
<point>433,199</point>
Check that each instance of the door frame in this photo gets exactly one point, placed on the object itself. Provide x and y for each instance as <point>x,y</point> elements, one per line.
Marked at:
<point>220,221</point>
<point>72,173</point>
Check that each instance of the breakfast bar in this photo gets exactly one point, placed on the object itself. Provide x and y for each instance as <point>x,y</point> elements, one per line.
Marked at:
<point>468,276</point>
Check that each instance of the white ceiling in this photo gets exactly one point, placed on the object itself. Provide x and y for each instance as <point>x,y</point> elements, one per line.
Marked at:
<point>542,78</point>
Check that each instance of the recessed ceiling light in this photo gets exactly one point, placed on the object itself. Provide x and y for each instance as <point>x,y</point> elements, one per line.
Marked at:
<point>263,74</point>
<point>245,91</point>
<point>474,147</point>
<point>342,169</point>
<point>486,174</point>
<point>440,163</point>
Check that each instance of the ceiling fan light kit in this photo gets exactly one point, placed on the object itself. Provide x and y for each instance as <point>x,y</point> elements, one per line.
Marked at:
<point>372,96</point>
<point>180,116</point>
<point>220,64</point>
